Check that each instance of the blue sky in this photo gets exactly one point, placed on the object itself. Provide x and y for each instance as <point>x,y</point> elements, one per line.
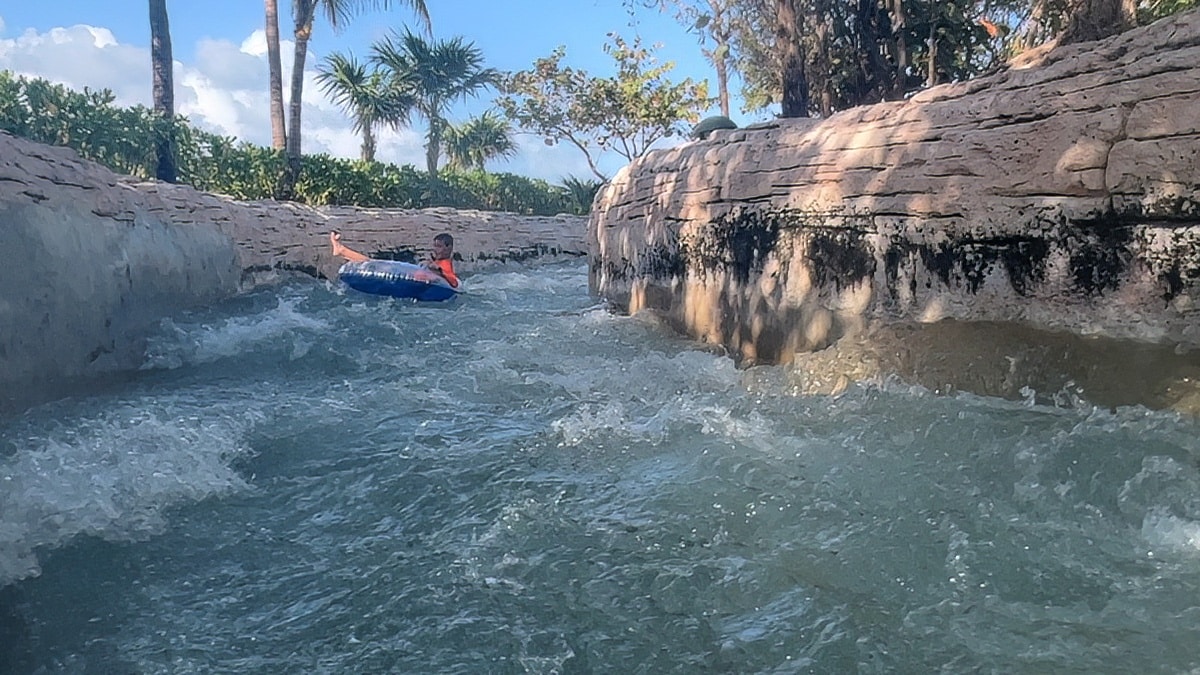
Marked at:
<point>221,69</point>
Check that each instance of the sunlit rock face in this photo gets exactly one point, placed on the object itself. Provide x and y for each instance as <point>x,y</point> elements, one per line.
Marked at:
<point>91,260</point>
<point>278,237</point>
<point>87,263</point>
<point>1063,194</point>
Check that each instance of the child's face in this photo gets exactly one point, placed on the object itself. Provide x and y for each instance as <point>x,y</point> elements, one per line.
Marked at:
<point>440,250</point>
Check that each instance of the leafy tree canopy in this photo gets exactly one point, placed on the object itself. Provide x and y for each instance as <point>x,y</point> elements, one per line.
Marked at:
<point>625,113</point>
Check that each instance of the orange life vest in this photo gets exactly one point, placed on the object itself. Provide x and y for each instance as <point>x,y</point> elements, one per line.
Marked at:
<point>446,267</point>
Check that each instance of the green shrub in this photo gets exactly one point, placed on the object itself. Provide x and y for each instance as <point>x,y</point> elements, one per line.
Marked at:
<point>123,140</point>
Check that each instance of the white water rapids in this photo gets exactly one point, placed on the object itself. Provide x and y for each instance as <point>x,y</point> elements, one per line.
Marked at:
<point>316,481</point>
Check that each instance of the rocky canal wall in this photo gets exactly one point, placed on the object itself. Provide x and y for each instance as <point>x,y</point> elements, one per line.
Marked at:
<point>91,261</point>
<point>1061,195</point>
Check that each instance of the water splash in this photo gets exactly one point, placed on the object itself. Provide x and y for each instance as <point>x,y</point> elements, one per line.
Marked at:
<point>110,477</point>
<point>194,343</point>
<point>525,482</point>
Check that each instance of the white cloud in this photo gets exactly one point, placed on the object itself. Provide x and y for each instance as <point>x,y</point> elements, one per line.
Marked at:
<point>324,139</point>
<point>102,37</point>
<point>224,91</point>
<point>404,146</point>
<point>256,44</point>
<point>556,161</point>
<point>78,57</point>
<point>230,65</point>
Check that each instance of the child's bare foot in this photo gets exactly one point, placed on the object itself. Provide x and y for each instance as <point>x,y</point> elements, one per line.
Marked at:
<point>335,242</point>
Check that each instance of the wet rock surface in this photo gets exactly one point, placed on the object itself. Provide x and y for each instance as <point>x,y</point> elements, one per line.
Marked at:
<point>1061,195</point>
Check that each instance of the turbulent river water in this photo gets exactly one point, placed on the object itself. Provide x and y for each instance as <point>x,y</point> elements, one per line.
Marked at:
<point>310,480</point>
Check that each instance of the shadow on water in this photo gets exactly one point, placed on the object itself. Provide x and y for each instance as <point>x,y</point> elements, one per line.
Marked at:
<point>16,399</point>
<point>15,653</point>
<point>1015,362</point>
<point>79,580</point>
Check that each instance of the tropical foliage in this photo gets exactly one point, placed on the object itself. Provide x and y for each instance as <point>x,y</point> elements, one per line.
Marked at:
<point>86,121</point>
<point>123,140</point>
<point>435,75</point>
<point>625,113</point>
<point>842,54</point>
<point>866,51</point>
<point>370,97</point>
<point>471,144</point>
<point>712,22</point>
<point>304,12</point>
<point>581,192</point>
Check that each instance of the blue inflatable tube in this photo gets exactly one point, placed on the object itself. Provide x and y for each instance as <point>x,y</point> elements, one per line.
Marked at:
<point>397,279</point>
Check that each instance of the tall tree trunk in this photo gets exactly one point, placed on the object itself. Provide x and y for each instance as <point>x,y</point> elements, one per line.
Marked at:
<point>818,67</point>
<point>794,97</point>
<point>433,145</point>
<point>162,66</point>
<point>368,144</point>
<point>275,84</point>
<point>931,75</point>
<point>722,67</point>
<point>304,12</point>
<point>720,53</point>
<point>297,94</point>
<point>899,21</point>
<point>1097,19</point>
<point>880,58</point>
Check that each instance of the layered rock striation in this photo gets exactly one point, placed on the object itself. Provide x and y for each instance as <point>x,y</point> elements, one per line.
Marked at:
<point>1062,195</point>
<point>90,261</point>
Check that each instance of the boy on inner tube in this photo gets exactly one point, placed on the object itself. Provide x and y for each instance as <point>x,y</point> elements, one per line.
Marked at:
<point>441,262</point>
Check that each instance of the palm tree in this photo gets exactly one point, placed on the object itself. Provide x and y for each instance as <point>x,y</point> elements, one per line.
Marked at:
<point>471,144</point>
<point>437,75</point>
<point>162,67</point>
<point>367,96</point>
<point>580,193</point>
<point>275,85</point>
<point>304,12</point>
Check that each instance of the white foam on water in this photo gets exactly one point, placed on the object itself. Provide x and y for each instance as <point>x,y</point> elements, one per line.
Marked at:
<point>660,425</point>
<point>590,422</point>
<point>484,481</point>
<point>551,281</point>
<point>196,343</point>
<point>1162,530</point>
<point>110,477</point>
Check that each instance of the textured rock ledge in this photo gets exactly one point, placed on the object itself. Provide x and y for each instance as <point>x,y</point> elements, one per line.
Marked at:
<point>90,260</point>
<point>1062,196</point>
